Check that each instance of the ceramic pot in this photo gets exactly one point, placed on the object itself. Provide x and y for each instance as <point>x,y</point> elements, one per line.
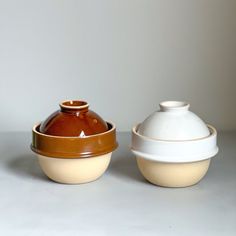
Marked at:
<point>74,145</point>
<point>174,146</point>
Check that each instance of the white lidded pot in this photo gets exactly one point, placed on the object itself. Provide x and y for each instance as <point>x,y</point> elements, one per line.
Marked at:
<point>173,146</point>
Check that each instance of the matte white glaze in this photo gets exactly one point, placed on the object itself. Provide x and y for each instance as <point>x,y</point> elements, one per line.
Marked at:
<point>173,121</point>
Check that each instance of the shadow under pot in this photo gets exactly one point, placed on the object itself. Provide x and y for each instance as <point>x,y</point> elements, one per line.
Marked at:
<point>74,145</point>
<point>173,146</point>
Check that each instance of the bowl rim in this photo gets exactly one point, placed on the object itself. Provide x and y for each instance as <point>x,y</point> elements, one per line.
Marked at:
<point>152,157</point>
<point>175,151</point>
<point>74,147</point>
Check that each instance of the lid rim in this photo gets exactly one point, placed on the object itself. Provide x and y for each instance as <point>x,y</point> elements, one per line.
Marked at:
<point>70,137</point>
<point>135,130</point>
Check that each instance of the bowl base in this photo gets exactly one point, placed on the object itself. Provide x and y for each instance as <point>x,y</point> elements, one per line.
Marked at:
<point>74,171</point>
<point>173,175</point>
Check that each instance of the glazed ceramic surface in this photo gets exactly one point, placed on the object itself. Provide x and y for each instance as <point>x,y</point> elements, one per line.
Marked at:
<point>74,119</point>
<point>74,145</point>
<point>174,151</point>
<point>173,121</point>
<point>173,146</point>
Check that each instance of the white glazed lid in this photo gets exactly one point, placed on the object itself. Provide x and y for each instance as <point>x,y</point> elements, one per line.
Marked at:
<point>173,121</point>
<point>174,135</point>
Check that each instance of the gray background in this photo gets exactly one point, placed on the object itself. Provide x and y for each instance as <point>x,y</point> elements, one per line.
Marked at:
<point>124,57</point>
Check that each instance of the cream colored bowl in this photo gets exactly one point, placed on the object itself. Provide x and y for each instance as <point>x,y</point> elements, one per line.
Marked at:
<point>173,174</point>
<point>74,171</point>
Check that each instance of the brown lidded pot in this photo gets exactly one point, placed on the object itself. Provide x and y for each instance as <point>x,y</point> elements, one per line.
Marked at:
<point>74,144</point>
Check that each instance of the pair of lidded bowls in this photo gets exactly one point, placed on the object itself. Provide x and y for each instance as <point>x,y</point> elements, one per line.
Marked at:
<point>173,146</point>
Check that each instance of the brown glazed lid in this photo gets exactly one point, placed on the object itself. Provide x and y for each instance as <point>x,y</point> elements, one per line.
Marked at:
<point>52,139</point>
<point>74,119</point>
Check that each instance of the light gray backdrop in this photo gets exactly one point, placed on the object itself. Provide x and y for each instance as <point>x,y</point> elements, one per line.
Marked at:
<point>123,56</point>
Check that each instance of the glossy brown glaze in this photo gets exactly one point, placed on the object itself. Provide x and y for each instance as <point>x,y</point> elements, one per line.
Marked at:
<point>74,147</point>
<point>74,119</point>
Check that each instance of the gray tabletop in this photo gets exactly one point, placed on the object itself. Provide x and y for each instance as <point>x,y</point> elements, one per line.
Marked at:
<point>119,203</point>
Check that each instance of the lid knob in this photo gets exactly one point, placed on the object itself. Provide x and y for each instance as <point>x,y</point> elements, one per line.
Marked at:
<point>170,106</point>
